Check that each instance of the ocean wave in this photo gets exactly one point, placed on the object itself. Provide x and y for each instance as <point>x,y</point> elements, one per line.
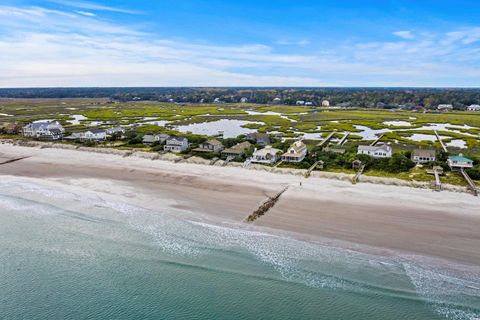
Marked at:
<point>452,292</point>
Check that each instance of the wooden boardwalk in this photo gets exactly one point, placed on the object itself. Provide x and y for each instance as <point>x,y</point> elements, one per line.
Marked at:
<point>358,174</point>
<point>436,171</point>
<point>344,139</point>
<point>309,171</point>
<point>324,141</point>
<point>444,147</point>
<point>376,140</point>
<point>470,182</point>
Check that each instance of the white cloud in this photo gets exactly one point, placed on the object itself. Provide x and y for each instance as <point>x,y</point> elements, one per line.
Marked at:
<point>407,35</point>
<point>93,6</point>
<point>85,13</point>
<point>56,48</point>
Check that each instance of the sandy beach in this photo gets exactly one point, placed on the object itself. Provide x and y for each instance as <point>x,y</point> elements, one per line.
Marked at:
<point>417,221</point>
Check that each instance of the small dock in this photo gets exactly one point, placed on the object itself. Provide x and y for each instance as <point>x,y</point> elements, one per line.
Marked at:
<point>343,139</point>
<point>377,140</point>
<point>324,141</point>
<point>309,171</point>
<point>267,205</point>
<point>444,147</point>
<point>358,174</point>
<point>470,182</point>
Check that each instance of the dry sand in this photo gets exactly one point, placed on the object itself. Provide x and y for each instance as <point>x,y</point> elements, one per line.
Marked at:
<point>418,221</point>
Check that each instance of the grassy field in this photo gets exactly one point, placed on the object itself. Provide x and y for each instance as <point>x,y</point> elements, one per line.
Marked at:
<point>286,121</point>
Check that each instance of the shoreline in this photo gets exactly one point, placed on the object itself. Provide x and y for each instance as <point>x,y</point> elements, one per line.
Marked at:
<point>403,219</point>
<point>255,167</point>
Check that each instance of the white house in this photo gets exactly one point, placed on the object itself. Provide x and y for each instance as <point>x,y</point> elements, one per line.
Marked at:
<point>459,162</point>
<point>377,151</point>
<point>44,130</point>
<point>309,103</point>
<point>423,155</point>
<point>95,134</point>
<point>176,144</point>
<point>150,138</point>
<point>296,152</point>
<point>267,155</point>
<point>243,100</point>
<point>300,103</point>
<point>115,130</point>
<point>444,107</point>
<point>473,107</point>
<point>325,103</point>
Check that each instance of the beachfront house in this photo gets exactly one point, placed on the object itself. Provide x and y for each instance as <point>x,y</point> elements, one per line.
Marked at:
<point>176,144</point>
<point>267,155</point>
<point>259,138</point>
<point>149,138</point>
<point>459,162</point>
<point>296,153</point>
<point>473,107</point>
<point>377,151</point>
<point>115,131</point>
<point>95,135</point>
<point>423,155</point>
<point>237,151</point>
<point>212,145</point>
<point>45,130</point>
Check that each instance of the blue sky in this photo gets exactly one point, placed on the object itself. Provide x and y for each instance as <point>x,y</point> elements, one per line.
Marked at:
<point>239,43</point>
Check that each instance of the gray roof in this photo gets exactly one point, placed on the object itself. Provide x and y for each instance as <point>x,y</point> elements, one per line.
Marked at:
<point>375,148</point>
<point>179,139</point>
<point>95,131</point>
<point>424,153</point>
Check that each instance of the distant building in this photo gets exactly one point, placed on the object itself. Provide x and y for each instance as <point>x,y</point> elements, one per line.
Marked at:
<point>296,153</point>
<point>423,155</point>
<point>300,103</point>
<point>277,100</point>
<point>115,130</point>
<point>149,138</point>
<point>377,151</point>
<point>325,103</point>
<point>212,145</point>
<point>44,130</point>
<point>243,100</point>
<point>237,150</point>
<point>176,144</point>
<point>459,162</point>
<point>444,107</point>
<point>309,103</point>
<point>473,107</point>
<point>259,138</point>
<point>95,134</point>
<point>267,155</point>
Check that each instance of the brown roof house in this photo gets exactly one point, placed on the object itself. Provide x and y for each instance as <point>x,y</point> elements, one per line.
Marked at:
<point>237,150</point>
<point>423,155</point>
<point>212,145</point>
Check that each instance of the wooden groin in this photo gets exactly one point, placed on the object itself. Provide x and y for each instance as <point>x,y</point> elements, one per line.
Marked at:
<point>13,160</point>
<point>444,147</point>
<point>264,207</point>
<point>376,140</point>
<point>309,171</point>
<point>324,141</point>
<point>344,139</point>
<point>470,182</point>
<point>358,174</point>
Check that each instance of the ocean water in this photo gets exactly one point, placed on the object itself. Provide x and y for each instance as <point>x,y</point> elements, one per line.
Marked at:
<point>82,255</point>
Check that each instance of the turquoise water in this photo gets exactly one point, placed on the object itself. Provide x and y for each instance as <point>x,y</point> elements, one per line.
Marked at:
<point>80,255</point>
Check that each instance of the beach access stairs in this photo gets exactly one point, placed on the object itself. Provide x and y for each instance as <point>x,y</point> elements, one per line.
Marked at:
<point>470,182</point>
